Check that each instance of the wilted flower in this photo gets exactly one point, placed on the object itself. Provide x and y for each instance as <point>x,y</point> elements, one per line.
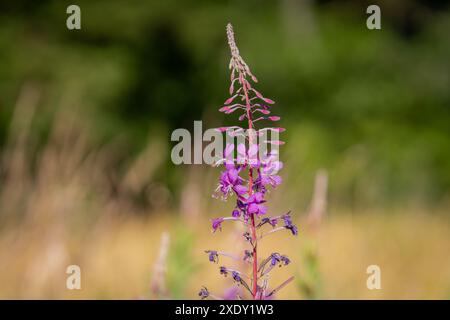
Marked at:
<point>223,270</point>
<point>236,276</point>
<point>274,259</point>
<point>203,293</point>
<point>213,256</point>
<point>289,225</point>
<point>285,260</point>
<point>247,236</point>
<point>270,220</point>
<point>248,255</point>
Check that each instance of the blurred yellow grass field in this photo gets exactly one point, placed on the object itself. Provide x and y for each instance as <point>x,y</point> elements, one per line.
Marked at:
<point>117,261</point>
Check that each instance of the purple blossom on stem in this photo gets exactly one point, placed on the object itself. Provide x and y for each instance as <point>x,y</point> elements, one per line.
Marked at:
<point>255,204</point>
<point>248,255</point>
<point>285,260</point>
<point>212,255</point>
<point>270,220</point>
<point>249,178</point>
<point>236,276</point>
<point>231,181</point>
<point>268,173</point>
<point>247,236</point>
<point>217,224</point>
<point>274,259</point>
<point>223,270</point>
<point>289,225</point>
<point>204,293</point>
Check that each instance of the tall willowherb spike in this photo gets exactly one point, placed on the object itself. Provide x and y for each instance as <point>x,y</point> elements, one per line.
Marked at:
<point>260,168</point>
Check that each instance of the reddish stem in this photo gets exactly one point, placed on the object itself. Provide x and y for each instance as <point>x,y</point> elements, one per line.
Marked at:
<point>250,191</point>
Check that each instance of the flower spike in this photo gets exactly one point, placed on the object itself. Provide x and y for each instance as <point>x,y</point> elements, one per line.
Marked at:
<point>249,178</point>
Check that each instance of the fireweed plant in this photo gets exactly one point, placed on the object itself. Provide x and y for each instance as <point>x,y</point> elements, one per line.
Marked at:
<point>249,180</point>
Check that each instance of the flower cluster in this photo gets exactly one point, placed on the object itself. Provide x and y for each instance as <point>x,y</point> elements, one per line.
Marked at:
<point>249,178</point>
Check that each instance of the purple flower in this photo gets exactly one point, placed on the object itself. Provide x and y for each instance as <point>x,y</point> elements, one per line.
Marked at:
<point>293,229</point>
<point>289,225</point>
<point>240,190</point>
<point>247,236</point>
<point>241,205</point>
<point>270,165</point>
<point>230,180</point>
<point>204,293</point>
<point>255,204</point>
<point>249,156</point>
<point>236,276</point>
<point>217,224</point>
<point>248,255</point>
<point>236,213</point>
<point>213,256</point>
<point>270,220</point>
<point>223,270</point>
<point>287,219</point>
<point>285,260</point>
<point>275,258</point>
<point>273,180</point>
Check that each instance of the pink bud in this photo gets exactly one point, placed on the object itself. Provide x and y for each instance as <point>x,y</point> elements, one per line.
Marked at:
<point>267,100</point>
<point>258,94</point>
<point>230,110</point>
<point>263,111</point>
<point>229,100</point>
<point>274,118</point>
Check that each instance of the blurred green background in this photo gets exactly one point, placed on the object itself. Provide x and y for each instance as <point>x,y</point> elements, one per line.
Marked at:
<point>86,117</point>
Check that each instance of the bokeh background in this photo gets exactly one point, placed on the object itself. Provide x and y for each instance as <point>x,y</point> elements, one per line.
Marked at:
<point>85,124</point>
